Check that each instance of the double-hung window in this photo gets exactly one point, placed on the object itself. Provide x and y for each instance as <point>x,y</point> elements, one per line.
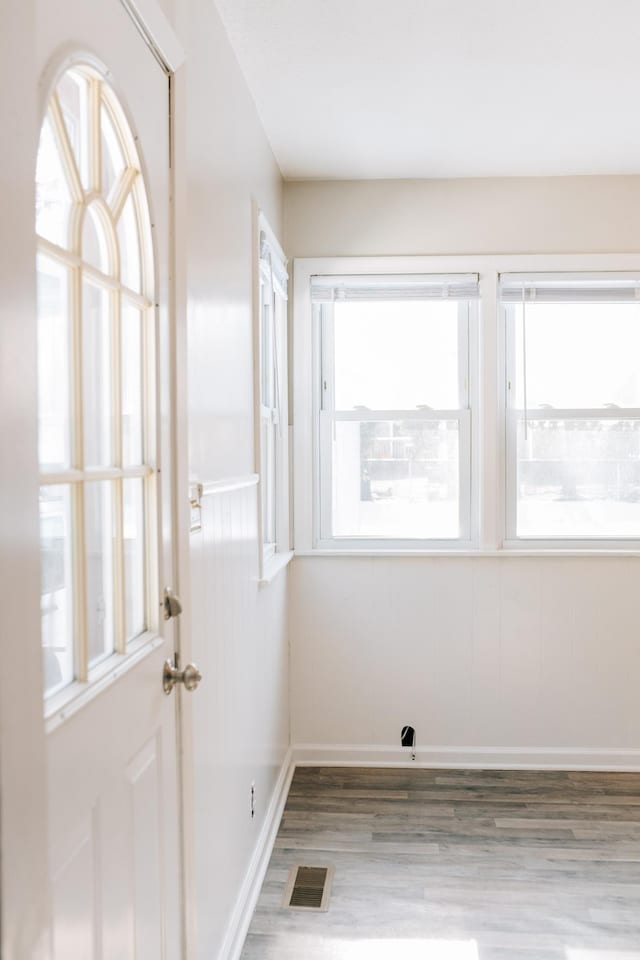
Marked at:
<point>272,412</point>
<point>573,407</point>
<point>393,409</point>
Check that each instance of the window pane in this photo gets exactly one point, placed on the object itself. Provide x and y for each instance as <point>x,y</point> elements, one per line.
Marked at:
<point>397,479</point>
<point>72,93</point>
<point>128,241</point>
<point>578,478</point>
<point>578,355</point>
<point>134,553</point>
<point>268,480</point>
<point>56,600</point>
<point>53,365</point>
<point>53,198</point>
<point>131,334</point>
<point>99,530</point>
<point>268,372</point>
<point>96,355</point>
<point>396,355</point>
<point>113,163</point>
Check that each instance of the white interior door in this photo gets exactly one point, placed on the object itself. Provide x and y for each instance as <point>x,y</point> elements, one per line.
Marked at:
<point>105,436</point>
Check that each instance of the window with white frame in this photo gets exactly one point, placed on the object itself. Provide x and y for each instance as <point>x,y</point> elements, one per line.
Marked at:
<point>96,335</point>
<point>272,415</point>
<point>394,366</point>
<point>573,406</point>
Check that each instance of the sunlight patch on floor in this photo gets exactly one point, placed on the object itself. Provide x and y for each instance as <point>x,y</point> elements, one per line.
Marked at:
<point>384,949</point>
<point>582,954</point>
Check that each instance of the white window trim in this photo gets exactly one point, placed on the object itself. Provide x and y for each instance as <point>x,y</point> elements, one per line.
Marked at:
<point>272,557</point>
<point>489,437</point>
<point>463,415</point>
<point>512,415</point>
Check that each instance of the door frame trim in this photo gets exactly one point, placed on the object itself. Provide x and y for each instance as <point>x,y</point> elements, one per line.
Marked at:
<point>162,39</point>
<point>25,925</point>
<point>157,32</point>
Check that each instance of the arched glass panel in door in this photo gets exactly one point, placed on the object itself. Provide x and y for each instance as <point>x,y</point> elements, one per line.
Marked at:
<point>96,394</point>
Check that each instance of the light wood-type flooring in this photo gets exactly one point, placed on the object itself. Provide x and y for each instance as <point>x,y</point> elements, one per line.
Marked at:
<point>457,865</point>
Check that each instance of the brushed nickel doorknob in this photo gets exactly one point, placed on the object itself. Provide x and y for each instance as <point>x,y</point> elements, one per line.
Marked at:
<point>190,676</point>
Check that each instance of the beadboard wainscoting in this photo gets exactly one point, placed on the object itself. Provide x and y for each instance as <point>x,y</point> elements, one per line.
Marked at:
<point>504,661</point>
<point>240,712</point>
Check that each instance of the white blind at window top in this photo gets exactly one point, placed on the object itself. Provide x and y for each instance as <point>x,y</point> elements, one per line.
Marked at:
<point>550,288</point>
<point>422,287</point>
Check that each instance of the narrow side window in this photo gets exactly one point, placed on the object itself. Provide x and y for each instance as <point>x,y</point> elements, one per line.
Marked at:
<point>272,417</point>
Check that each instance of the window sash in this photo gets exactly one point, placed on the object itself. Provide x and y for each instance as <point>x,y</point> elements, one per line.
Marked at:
<point>269,414</point>
<point>325,318</point>
<point>271,400</point>
<point>327,416</point>
<point>580,289</point>
<point>327,421</point>
<point>513,419</point>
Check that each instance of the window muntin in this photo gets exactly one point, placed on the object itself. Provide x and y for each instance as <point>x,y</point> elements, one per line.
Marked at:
<point>394,421</point>
<point>96,394</point>
<point>573,409</point>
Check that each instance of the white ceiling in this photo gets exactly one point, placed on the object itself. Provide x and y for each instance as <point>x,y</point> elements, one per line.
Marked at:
<point>443,88</point>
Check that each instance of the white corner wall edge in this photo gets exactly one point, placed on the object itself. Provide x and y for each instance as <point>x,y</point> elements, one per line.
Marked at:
<point>612,759</point>
<point>251,885</point>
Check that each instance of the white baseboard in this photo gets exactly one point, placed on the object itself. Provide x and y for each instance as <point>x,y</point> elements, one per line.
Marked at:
<point>488,758</point>
<point>254,876</point>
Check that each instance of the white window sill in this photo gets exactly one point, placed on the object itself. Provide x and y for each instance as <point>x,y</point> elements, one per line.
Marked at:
<point>274,565</point>
<point>502,553</point>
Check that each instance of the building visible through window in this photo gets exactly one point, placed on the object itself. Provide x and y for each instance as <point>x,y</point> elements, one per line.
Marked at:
<point>573,408</point>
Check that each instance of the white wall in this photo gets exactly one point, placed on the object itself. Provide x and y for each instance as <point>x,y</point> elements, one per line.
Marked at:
<point>490,653</point>
<point>230,164</point>
<point>239,716</point>
<point>492,659</point>
<point>516,215</point>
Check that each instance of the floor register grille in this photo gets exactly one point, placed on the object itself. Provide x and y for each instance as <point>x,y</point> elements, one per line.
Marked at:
<point>308,888</point>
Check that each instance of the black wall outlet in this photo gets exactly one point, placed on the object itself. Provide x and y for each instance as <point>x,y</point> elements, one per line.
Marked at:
<point>408,737</point>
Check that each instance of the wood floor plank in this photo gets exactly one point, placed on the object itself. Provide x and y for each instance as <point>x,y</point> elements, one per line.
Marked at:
<point>457,865</point>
